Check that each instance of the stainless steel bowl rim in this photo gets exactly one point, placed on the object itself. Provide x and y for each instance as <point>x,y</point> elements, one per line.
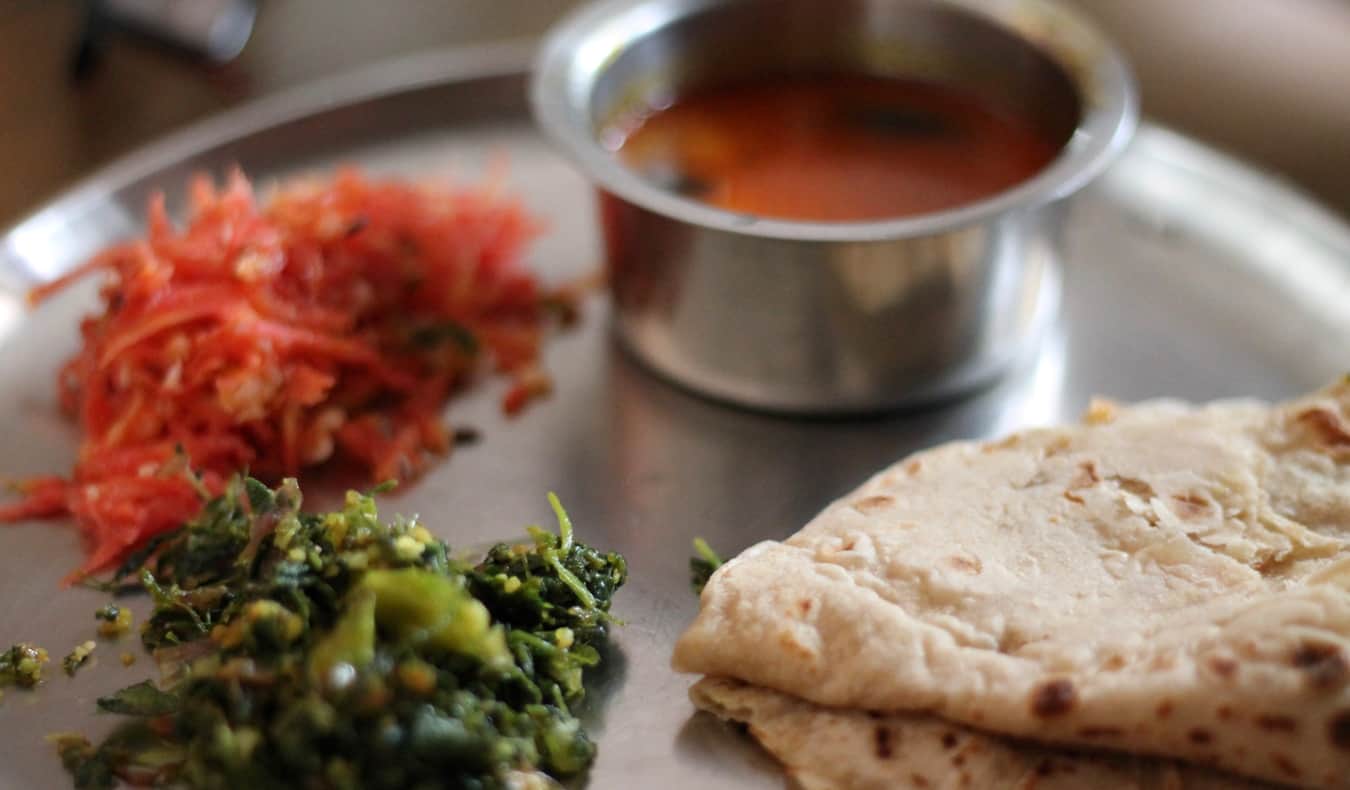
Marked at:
<point>582,45</point>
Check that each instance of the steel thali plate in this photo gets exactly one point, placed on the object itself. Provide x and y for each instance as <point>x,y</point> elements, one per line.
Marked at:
<point>1188,274</point>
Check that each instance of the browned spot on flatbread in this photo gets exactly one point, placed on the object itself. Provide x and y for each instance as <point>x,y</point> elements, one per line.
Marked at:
<point>913,467</point>
<point>1190,505</point>
<point>1086,476</point>
<point>873,503</point>
<point>804,605</point>
<point>881,742</point>
<point>1224,713</point>
<point>1162,662</point>
<point>848,545</point>
<point>1265,566</point>
<point>1164,709</point>
<point>1100,411</point>
<point>1100,732</point>
<point>966,564</point>
<point>1200,736</point>
<point>1285,765</point>
<point>1324,666</point>
<point>949,740</point>
<point>1114,663</point>
<point>1053,698</point>
<point>1223,666</point>
<point>1057,446</point>
<point>1327,425</point>
<point>1338,729</point>
<point>1274,722</point>
<point>1075,498</point>
<point>918,780</point>
<point>1134,485</point>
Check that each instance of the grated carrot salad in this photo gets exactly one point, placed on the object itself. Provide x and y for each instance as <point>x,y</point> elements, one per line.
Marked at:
<point>331,321</point>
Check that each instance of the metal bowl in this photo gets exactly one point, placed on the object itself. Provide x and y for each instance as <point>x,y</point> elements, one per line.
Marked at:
<point>831,317</point>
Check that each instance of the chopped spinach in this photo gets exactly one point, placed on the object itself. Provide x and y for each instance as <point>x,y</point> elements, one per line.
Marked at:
<point>337,651</point>
<point>142,699</point>
<point>78,657</point>
<point>21,665</point>
<point>114,621</point>
<point>702,565</point>
<point>433,335</point>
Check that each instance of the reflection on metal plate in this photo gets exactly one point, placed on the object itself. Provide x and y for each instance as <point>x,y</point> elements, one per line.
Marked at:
<point>1188,275</point>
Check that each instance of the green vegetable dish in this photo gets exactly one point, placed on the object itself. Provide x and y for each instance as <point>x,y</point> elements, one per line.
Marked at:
<point>114,621</point>
<point>78,657</point>
<point>336,651</point>
<point>21,665</point>
<point>702,565</point>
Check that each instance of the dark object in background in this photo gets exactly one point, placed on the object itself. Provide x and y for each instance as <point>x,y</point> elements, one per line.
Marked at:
<point>214,31</point>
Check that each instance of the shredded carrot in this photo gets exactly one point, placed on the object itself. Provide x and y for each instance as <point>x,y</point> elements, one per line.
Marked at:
<point>331,321</point>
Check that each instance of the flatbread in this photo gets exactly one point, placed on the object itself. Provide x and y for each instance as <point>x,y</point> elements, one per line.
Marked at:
<point>1162,579</point>
<point>833,749</point>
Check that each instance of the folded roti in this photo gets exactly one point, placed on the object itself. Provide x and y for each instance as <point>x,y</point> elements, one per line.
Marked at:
<point>832,749</point>
<point>1163,579</point>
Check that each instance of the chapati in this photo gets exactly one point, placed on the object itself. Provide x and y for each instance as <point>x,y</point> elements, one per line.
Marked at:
<point>1161,579</point>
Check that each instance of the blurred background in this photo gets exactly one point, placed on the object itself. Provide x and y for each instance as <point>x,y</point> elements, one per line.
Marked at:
<point>82,82</point>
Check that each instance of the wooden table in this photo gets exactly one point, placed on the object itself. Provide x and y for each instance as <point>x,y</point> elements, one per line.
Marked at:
<point>1265,80</point>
